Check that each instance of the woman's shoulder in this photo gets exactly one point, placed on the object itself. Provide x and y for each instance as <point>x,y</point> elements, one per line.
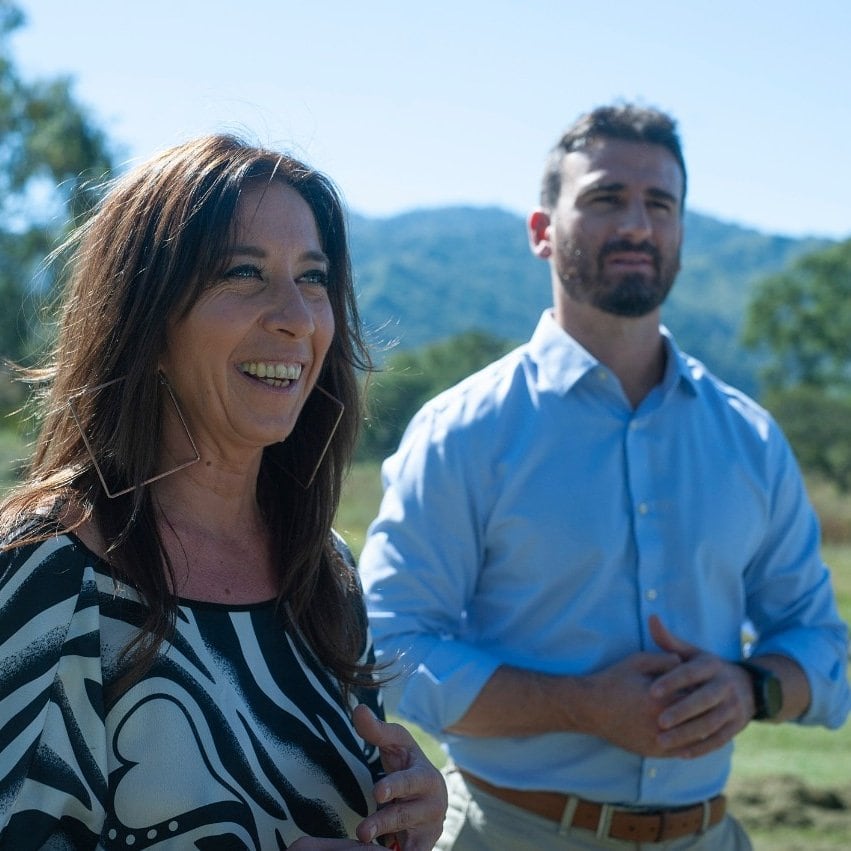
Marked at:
<point>63,520</point>
<point>348,567</point>
<point>40,568</point>
<point>50,675</point>
<point>343,550</point>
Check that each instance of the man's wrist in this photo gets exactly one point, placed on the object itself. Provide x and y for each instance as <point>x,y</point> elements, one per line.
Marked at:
<point>767,691</point>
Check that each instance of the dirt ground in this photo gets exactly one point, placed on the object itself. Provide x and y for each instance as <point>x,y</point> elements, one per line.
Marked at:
<point>781,813</point>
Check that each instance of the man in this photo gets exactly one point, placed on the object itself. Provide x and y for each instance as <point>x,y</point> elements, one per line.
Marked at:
<point>571,540</point>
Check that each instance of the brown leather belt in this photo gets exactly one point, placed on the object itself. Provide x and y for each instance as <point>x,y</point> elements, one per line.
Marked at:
<point>617,823</point>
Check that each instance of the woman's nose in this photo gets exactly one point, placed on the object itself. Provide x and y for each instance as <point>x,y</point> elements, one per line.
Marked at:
<point>288,312</point>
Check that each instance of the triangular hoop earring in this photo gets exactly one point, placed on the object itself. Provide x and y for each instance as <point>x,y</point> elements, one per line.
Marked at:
<point>312,401</point>
<point>112,494</point>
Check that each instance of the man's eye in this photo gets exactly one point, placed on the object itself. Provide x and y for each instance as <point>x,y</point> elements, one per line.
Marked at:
<point>244,270</point>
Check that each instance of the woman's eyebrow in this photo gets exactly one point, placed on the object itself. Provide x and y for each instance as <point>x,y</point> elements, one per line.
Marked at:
<point>250,250</point>
<point>256,251</point>
<point>317,257</point>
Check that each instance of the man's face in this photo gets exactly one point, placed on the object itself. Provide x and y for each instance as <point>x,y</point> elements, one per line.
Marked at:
<point>616,231</point>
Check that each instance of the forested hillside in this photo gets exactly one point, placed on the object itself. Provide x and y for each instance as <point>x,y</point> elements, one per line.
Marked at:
<point>427,275</point>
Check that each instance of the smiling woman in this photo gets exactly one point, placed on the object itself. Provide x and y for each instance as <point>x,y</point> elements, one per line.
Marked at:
<point>183,644</point>
<point>247,355</point>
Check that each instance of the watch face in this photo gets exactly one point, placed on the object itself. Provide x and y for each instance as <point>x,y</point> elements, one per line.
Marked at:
<point>773,694</point>
<point>767,691</point>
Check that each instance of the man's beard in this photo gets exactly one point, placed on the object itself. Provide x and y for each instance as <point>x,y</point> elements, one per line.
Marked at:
<point>632,294</point>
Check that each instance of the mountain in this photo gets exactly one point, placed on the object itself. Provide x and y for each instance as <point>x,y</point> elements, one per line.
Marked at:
<point>426,275</point>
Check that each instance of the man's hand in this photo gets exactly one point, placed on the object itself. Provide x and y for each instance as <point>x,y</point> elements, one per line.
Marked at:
<point>706,700</point>
<point>621,705</point>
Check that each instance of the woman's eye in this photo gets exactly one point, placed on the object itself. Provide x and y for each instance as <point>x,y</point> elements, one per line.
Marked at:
<point>244,270</point>
<point>315,277</point>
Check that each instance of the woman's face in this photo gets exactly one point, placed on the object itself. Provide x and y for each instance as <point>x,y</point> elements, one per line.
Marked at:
<point>244,359</point>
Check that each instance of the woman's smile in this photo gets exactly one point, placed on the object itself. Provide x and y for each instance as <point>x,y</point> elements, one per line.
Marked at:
<point>273,373</point>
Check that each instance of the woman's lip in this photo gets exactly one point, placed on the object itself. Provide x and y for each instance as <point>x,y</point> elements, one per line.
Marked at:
<point>271,383</point>
<point>279,375</point>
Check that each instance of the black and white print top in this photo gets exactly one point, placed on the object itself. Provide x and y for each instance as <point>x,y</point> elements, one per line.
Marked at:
<point>237,738</point>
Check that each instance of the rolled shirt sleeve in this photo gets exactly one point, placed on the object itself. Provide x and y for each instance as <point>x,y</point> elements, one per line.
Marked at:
<point>790,596</point>
<point>427,542</point>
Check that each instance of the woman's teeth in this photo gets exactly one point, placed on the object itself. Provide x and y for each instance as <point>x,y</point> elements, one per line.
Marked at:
<point>275,374</point>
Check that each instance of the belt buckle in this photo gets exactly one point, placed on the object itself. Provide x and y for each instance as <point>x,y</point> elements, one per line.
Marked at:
<point>604,823</point>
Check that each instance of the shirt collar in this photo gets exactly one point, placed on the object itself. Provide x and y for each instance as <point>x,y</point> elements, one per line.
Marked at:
<point>562,361</point>
<point>681,369</point>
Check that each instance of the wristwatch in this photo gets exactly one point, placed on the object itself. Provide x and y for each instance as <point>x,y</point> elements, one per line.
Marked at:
<point>767,691</point>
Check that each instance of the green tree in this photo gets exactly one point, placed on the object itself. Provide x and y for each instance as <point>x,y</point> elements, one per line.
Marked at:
<point>411,378</point>
<point>802,317</point>
<point>52,159</point>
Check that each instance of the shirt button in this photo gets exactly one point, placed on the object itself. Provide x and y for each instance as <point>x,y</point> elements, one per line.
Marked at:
<point>643,508</point>
<point>652,773</point>
<point>652,594</point>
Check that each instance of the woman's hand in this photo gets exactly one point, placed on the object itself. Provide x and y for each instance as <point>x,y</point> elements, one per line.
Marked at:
<point>411,797</point>
<point>308,843</point>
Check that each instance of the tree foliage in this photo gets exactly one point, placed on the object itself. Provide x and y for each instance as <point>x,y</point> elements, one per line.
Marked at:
<point>411,378</point>
<point>803,318</point>
<point>52,159</point>
<point>818,425</point>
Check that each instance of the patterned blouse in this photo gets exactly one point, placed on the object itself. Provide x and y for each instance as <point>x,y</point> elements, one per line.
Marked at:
<point>237,738</point>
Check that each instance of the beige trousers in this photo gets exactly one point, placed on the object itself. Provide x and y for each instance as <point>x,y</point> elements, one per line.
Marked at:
<point>477,821</point>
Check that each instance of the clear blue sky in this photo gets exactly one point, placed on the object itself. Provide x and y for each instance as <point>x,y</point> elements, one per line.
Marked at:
<point>413,104</point>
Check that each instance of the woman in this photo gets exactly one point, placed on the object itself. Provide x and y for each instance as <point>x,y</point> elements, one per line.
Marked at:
<point>183,645</point>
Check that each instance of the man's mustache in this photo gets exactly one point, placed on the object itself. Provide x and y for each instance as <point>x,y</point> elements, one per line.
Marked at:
<point>620,245</point>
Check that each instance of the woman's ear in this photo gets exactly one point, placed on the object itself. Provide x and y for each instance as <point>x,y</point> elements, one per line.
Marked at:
<point>539,234</point>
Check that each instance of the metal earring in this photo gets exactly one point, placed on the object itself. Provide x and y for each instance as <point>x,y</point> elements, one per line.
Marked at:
<point>300,479</point>
<point>111,494</point>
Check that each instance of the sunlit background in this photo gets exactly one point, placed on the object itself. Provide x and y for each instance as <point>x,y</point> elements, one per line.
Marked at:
<point>409,105</point>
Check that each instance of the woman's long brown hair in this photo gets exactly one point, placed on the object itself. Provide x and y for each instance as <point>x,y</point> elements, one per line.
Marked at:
<point>158,238</point>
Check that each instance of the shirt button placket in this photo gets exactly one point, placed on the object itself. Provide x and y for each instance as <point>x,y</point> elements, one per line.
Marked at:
<point>642,486</point>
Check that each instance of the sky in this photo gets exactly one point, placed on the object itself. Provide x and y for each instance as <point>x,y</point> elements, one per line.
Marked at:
<point>455,102</point>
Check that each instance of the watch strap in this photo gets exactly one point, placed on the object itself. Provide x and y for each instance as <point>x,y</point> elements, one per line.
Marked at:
<point>767,692</point>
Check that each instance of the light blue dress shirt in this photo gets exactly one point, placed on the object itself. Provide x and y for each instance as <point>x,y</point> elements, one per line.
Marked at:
<point>532,518</point>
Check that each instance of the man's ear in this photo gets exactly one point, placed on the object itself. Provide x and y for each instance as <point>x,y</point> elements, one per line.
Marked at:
<point>539,234</point>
